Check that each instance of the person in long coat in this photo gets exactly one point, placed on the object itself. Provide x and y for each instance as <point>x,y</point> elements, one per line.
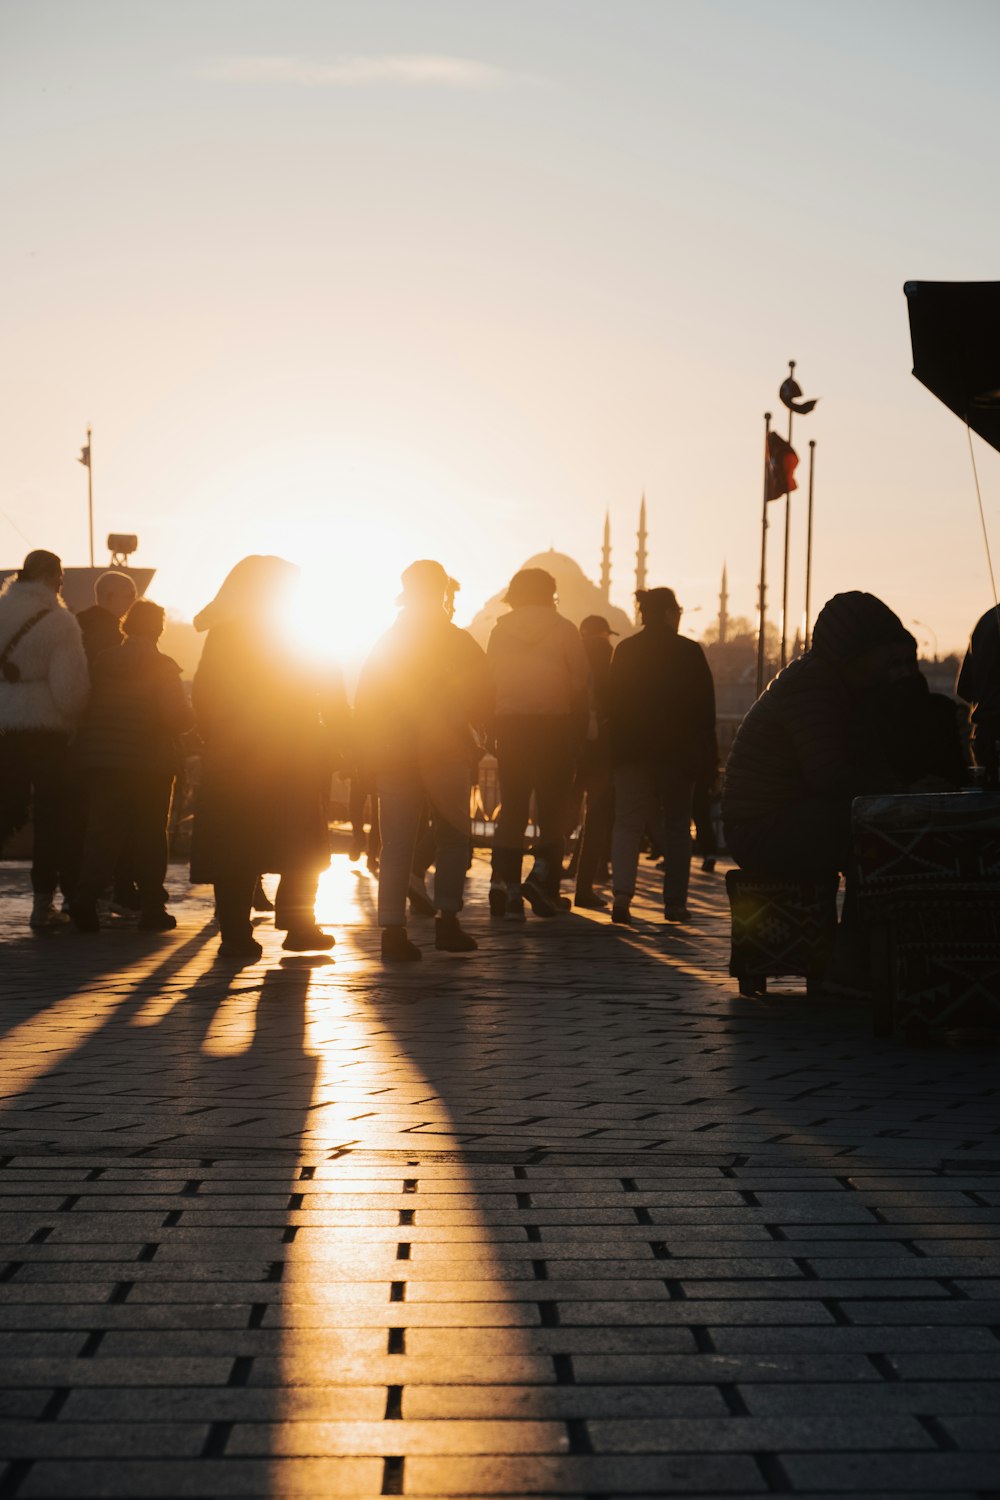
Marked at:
<point>266,718</point>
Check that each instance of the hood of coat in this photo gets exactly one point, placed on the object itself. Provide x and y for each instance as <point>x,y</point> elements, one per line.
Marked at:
<point>529,624</point>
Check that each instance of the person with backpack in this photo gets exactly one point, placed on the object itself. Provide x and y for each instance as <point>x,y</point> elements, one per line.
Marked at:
<point>43,692</point>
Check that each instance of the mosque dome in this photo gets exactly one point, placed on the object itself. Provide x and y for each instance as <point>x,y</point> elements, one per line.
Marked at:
<point>578,597</point>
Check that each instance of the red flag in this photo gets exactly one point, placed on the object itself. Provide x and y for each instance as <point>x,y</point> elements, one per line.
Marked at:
<point>782,461</point>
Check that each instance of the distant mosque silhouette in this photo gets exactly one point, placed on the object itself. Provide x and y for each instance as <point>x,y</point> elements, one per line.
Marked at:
<point>578,596</point>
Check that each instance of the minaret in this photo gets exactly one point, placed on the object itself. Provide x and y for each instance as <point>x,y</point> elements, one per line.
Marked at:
<point>640,555</point>
<point>606,561</point>
<point>723,608</point>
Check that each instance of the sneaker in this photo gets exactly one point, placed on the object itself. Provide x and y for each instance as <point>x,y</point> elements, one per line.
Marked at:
<point>541,903</point>
<point>83,915</point>
<point>308,940</point>
<point>244,951</point>
<point>621,915</point>
<point>157,921</point>
<point>708,865</point>
<point>397,948</point>
<point>590,901</point>
<point>514,904</point>
<point>498,900</point>
<point>675,911</point>
<point>451,937</point>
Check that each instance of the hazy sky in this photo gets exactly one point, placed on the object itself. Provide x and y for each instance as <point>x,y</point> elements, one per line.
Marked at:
<point>360,282</point>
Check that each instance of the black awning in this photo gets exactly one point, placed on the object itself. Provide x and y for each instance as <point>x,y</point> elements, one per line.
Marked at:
<point>955,332</point>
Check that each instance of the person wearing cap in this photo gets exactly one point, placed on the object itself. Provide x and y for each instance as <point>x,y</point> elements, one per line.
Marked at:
<point>595,778</point>
<point>266,717</point>
<point>128,748</point>
<point>662,716</point>
<point>542,682</point>
<point>43,692</point>
<point>798,759</point>
<point>423,699</point>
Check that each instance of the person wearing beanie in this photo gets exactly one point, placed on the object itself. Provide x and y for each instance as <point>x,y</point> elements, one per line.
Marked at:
<point>423,699</point>
<point>43,692</point>
<point>662,719</point>
<point>100,624</point>
<point>542,680</point>
<point>128,749</point>
<point>797,761</point>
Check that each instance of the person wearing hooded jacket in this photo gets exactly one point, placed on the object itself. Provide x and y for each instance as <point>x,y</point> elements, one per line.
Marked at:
<point>422,698</point>
<point>797,763</point>
<point>541,676</point>
<point>266,718</point>
<point>43,692</point>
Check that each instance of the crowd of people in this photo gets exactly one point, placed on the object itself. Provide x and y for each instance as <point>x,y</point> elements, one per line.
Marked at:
<point>620,741</point>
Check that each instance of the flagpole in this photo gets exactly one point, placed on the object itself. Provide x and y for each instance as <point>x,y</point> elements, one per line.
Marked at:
<point>788,518</point>
<point>809,540</point>
<point>763,564</point>
<point>90,490</point>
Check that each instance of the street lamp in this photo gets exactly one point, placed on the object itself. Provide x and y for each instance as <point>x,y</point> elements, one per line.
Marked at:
<point>920,624</point>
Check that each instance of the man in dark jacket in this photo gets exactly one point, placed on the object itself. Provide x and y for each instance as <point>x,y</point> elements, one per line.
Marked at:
<point>595,774</point>
<point>662,717</point>
<point>127,747</point>
<point>797,761</point>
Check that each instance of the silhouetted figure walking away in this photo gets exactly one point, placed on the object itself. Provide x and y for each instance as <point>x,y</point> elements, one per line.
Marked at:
<point>43,692</point>
<point>266,718</point>
<point>595,776</point>
<point>662,711</point>
<point>542,678</point>
<point>128,749</point>
<point>422,698</point>
<point>101,627</point>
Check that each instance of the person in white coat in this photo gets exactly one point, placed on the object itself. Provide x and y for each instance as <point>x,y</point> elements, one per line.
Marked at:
<point>43,692</point>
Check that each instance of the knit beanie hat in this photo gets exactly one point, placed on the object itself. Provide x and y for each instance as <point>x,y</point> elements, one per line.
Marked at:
<point>850,624</point>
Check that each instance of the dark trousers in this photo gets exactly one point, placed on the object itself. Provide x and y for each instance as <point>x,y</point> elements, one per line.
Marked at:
<point>535,753</point>
<point>126,809</point>
<point>34,781</point>
<point>706,844</point>
<point>294,900</point>
<point>596,779</point>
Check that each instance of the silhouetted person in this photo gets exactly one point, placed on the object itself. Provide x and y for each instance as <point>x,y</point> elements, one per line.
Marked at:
<point>101,624</point>
<point>979,686</point>
<point>595,776</point>
<point>908,738</point>
<point>128,748</point>
<point>43,692</point>
<point>799,760</point>
<point>541,677</point>
<point>265,716</point>
<point>422,696</point>
<point>706,843</point>
<point>662,714</point>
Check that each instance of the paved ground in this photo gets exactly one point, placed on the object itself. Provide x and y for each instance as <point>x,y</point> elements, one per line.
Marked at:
<point>567,1217</point>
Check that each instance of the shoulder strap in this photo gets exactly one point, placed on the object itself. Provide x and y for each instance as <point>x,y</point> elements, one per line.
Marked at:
<point>21,632</point>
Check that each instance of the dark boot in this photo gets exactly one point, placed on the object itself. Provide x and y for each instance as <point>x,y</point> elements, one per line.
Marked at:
<point>397,948</point>
<point>451,937</point>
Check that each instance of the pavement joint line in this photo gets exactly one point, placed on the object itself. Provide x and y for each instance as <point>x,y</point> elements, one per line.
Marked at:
<point>393,1475</point>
